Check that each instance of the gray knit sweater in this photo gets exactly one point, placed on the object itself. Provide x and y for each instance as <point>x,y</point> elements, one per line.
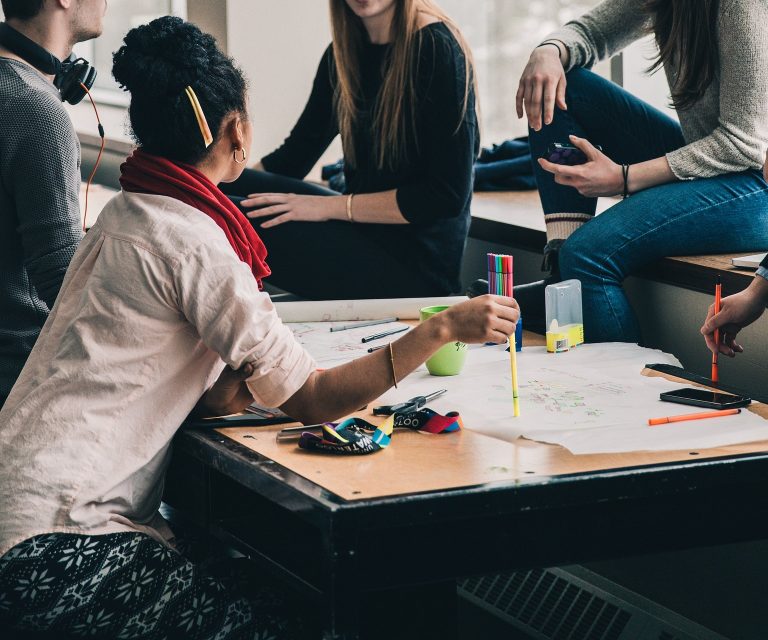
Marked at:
<point>39,209</point>
<point>727,129</point>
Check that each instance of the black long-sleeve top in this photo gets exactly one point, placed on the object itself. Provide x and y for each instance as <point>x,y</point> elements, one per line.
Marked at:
<point>434,183</point>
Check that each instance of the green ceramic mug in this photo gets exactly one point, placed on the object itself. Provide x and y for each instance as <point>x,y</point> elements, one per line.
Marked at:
<point>449,359</point>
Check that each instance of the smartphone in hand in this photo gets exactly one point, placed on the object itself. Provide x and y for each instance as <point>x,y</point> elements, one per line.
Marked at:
<point>564,153</point>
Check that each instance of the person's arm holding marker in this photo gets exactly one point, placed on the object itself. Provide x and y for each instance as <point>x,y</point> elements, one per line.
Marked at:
<point>739,310</point>
<point>736,312</point>
<point>340,390</point>
<point>337,391</point>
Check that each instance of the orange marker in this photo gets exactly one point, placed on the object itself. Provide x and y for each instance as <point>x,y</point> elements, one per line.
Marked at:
<point>718,295</point>
<point>653,422</point>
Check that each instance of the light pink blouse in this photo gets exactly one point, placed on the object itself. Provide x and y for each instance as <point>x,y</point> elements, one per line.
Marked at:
<point>154,303</point>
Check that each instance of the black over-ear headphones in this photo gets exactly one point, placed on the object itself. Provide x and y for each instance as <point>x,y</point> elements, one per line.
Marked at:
<point>67,74</point>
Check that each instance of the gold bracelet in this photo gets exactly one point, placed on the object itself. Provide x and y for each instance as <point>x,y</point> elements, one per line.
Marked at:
<point>392,362</point>
<point>349,207</point>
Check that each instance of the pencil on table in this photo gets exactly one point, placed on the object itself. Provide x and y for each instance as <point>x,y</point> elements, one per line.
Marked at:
<point>513,364</point>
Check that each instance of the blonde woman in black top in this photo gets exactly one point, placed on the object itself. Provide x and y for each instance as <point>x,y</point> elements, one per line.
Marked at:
<point>397,84</point>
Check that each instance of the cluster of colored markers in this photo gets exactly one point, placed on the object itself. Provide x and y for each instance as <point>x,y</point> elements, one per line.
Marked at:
<point>500,282</point>
<point>500,274</point>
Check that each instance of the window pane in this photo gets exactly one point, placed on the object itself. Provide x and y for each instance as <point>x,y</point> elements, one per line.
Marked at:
<point>502,34</point>
<point>122,16</point>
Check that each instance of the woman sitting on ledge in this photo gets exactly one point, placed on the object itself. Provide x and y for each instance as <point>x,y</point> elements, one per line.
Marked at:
<point>693,187</point>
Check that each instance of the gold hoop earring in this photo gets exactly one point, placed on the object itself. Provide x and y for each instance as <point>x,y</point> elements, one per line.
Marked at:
<point>234,155</point>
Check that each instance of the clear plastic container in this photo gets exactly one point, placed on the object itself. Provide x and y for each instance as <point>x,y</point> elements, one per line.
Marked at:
<point>565,320</point>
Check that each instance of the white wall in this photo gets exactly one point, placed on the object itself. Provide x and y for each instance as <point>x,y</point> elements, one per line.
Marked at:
<point>278,44</point>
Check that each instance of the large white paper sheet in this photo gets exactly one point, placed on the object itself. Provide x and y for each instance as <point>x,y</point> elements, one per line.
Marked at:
<point>334,310</point>
<point>590,400</point>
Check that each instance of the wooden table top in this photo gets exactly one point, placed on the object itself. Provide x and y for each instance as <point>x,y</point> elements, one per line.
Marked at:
<point>418,462</point>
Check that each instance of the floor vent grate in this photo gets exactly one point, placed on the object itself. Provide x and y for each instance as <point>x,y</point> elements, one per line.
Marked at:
<point>573,603</point>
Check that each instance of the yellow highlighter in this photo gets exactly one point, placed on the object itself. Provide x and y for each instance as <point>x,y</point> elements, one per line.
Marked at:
<point>513,364</point>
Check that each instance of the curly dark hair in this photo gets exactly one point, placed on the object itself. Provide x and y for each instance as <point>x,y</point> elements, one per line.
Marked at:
<point>21,9</point>
<point>156,63</point>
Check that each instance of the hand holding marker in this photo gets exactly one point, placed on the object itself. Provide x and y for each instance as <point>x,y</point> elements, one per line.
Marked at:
<point>500,282</point>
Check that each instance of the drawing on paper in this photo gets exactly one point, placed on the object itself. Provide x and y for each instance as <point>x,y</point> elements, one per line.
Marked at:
<point>555,397</point>
<point>331,349</point>
<point>551,392</point>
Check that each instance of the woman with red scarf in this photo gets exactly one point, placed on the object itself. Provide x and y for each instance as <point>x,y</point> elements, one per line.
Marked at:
<point>161,314</point>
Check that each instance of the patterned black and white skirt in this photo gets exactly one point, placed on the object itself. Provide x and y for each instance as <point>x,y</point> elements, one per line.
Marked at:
<point>126,586</point>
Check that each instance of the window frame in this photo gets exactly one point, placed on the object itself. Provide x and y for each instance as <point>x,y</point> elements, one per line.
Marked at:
<point>116,97</point>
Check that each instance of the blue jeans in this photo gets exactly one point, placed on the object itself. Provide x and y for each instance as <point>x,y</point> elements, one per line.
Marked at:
<point>723,214</point>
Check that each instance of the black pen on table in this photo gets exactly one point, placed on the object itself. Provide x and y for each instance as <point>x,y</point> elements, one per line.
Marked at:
<point>377,336</point>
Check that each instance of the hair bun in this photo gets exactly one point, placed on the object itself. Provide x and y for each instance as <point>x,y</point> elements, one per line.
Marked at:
<point>156,62</point>
<point>163,57</point>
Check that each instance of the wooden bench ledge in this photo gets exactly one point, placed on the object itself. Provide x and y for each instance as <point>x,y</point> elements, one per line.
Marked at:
<point>698,273</point>
<point>514,218</point>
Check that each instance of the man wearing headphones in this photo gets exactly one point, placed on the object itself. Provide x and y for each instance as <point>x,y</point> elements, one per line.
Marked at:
<point>40,223</point>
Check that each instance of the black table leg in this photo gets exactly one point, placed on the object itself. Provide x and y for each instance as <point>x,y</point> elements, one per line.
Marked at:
<point>419,612</point>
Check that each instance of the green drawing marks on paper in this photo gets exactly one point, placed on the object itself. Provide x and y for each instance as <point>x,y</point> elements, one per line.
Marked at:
<point>559,398</point>
<point>571,398</point>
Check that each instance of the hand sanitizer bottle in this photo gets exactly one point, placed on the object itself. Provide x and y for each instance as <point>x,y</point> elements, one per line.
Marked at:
<point>565,323</point>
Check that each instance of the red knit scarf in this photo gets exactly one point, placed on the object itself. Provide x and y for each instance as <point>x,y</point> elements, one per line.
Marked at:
<point>145,173</point>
